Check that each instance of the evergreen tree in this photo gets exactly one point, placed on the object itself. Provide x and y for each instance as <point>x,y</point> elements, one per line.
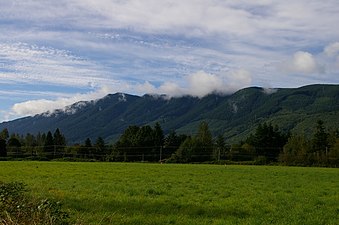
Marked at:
<point>320,138</point>
<point>196,149</point>
<point>3,142</point>
<point>204,147</point>
<point>30,143</point>
<point>49,145</point>
<point>127,143</point>
<point>88,143</point>
<point>158,135</point>
<point>3,148</point>
<point>158,139</point>
<point>86,149</point>
<point>14,146</point>
<point>100,148</point>
<point>268,141</point>
<point>129,137</point>
<point>171,144</point>
<point>145,143</point>
<point>40,142</point>
<point>4,134</point>
<point>59,141</point>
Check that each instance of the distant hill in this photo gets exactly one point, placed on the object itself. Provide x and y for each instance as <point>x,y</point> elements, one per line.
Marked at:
<point>235,116</point>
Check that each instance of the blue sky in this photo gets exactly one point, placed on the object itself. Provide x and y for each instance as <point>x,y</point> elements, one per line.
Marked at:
<point>55,53</point>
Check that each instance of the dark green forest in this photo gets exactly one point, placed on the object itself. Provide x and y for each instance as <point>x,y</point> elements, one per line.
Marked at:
<point>267,144</point>
<point>234,116</point>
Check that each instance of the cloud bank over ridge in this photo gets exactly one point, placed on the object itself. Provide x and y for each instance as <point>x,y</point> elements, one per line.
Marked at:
<point>198,85</point>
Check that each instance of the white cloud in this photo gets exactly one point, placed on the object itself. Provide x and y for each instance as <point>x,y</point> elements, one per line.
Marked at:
<point>171,89</point>
<point>301,62</point>
<point>33,107</point>
<point>192,17</point>
<point>270,91</point>
<point>304,62</point>
<point>331,59</point>
<point>332,49</point>
<point>155,46</point>
<point>238,79</point>
<point>201,84</point>
<point>26,63</point>
<point>261,28</point>
<point>189,17</point>
<point>198,84</point>
<point>146,87</point>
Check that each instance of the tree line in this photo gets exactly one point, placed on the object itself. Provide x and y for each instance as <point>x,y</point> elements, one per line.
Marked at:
<point>321,149</point>
<point>267,144</point>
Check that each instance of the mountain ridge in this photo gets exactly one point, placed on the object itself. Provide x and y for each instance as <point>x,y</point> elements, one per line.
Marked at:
<point>235,116</point>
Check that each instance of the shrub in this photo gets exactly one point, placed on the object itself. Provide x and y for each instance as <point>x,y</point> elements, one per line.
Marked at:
<point>16,207</point>
<point>260,160</point>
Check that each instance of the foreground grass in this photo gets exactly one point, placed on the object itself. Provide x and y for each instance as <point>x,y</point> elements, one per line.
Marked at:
<point>122,193</point>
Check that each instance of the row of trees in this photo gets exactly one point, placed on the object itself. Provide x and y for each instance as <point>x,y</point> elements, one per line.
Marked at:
<point>149,144</point>
<point>49,146</point>
<point>267,144</point>
<point>321,149</point>
<point>18,145</point>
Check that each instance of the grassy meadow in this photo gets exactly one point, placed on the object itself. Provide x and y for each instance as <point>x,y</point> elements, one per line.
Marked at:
<point>136,193</point>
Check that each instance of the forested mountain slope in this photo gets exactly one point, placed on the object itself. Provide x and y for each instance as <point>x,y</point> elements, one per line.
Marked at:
<point>235,116</point>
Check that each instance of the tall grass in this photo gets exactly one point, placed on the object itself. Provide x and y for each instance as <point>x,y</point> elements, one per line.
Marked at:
<point>18,208</point>
<point>132,193</point>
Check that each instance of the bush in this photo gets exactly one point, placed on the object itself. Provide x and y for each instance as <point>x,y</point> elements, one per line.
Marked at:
<point>16,207</point>
<point>37,158</point>
<point>260,160</point>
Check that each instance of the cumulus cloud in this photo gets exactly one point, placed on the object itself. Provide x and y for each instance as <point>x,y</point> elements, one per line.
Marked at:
<point>301,62</point>
<point>238,79</point>
<point>200,84</point>
<point>304,62</point>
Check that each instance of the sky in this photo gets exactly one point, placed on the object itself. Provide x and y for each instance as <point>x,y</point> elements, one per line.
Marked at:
<point>55,53</point>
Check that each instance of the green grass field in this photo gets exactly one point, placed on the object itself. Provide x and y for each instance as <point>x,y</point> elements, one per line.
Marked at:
<point>135,193</point>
